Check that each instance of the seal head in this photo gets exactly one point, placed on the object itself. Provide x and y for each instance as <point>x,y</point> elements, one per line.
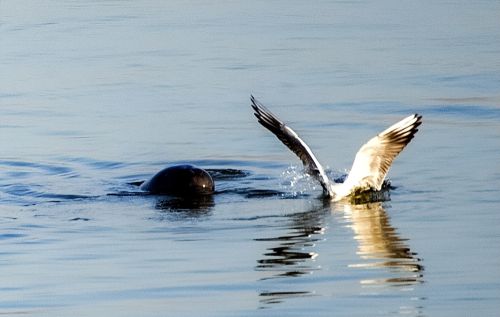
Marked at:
<point>180,180</point>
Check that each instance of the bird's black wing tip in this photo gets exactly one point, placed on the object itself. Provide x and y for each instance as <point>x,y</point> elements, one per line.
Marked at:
<point>261,110</point>
<point>256,105</point>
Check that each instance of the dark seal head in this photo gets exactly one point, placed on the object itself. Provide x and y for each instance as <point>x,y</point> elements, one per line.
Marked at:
<point>180,180</point>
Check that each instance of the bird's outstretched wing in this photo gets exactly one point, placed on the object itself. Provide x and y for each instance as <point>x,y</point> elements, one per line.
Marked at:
<point>374,158</point>
<point>286,135</point>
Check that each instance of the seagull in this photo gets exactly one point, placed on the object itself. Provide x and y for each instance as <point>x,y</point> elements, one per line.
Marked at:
<point>370,166</point>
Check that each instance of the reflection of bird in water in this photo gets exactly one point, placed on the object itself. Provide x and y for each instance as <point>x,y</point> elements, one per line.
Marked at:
<point>293,253</point>
<point>380,245</point>
<point>288,256</point>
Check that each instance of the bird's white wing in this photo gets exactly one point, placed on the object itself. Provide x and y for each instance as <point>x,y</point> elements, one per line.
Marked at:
<point>286,135</point>
<point>374,158</point>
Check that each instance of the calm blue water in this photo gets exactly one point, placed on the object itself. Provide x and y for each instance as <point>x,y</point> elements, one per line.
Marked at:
<point>96,95</point>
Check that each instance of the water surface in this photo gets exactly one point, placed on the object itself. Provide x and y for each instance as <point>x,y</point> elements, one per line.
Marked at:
<point>97,95</point>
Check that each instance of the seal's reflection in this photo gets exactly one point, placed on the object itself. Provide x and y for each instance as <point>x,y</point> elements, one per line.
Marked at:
<point>380,246</point>
<point>183,207</point>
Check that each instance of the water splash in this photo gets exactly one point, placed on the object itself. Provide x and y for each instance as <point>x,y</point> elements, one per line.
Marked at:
<point>296,182</point>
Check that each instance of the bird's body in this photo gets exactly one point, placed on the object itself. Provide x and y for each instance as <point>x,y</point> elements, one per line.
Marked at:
<point>370,166</point>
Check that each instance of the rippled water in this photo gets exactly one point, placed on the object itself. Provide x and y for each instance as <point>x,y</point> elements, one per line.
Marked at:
<point>95,96</point>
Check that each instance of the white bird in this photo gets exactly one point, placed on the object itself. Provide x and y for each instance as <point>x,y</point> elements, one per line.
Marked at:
<point>370,166</point>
